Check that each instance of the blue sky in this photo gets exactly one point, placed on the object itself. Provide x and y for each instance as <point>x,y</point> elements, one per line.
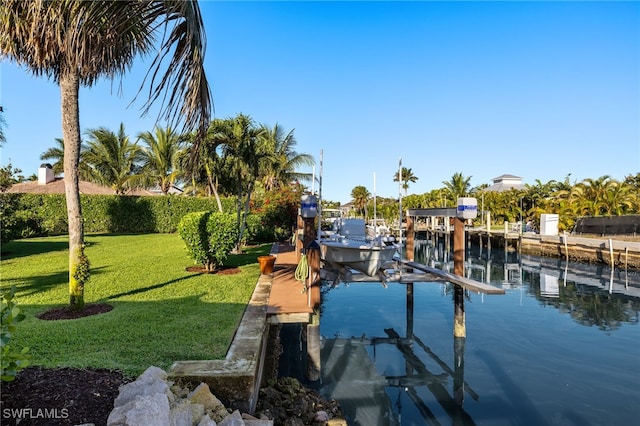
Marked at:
<point>540,90</point>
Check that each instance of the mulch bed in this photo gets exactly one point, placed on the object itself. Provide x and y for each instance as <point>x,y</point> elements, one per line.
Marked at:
<point>60,396</point>
<point>220,271</point>
<point>67,312</point>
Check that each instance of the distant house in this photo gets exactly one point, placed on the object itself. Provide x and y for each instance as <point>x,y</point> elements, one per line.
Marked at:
<point>173,190</point>
<point>505,183</point>
<point>47,183</point>
<point>348,209</point>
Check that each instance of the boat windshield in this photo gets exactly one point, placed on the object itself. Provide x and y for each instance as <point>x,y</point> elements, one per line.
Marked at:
<point>329,216</point>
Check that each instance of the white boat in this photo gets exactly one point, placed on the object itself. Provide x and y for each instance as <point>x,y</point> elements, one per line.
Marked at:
<point>351,249</point>
<point>377,228</point>
<point>347,244</point>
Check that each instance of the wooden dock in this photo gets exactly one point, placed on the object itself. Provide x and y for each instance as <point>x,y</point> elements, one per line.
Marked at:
<point>289,301</point>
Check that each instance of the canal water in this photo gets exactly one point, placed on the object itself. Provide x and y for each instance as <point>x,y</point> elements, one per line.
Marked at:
<point>561,347</point>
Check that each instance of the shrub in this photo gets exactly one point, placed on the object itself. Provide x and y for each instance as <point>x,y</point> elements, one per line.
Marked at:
<point>279,213</point>
<point>222,230</point>
<point>12,360</point>
<point>193,231</point>
<point>257,230</point>
<point>209,237</point>
<point>17,221</point>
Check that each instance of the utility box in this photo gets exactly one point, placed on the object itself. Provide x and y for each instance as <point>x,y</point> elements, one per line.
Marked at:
<point>549,224</point>
<point>467,208</point>
<point>308,206</point>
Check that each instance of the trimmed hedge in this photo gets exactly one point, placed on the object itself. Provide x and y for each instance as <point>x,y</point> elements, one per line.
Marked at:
<point>209,237</point>
<point>26,215</point>
<point>193,231</point>
<point>30,215</point>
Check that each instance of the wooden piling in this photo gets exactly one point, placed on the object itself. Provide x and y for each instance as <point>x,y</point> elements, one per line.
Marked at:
<point>410,242</point>
<point>313,284</point>
<point>458,370</point>
<point>309,231</point>
<point>409,310</point>
<point>299,244</point>
<point>313,348</point>
<point>313,327</point>
<point>459,327</point>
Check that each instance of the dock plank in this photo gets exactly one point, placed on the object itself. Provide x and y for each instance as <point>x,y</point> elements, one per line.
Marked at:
<point>287,301</point>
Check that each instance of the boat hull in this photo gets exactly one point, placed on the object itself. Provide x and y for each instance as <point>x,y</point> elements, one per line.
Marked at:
<point>363,257</point>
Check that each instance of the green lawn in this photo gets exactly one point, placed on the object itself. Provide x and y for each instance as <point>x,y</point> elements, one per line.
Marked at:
<point>161,313</point>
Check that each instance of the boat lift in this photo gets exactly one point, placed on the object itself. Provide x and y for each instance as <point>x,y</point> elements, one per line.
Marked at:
<point>405,271</point>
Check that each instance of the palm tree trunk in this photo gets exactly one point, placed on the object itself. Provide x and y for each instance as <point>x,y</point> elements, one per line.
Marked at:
<point>69,90</point>
<point>213,187</point>
<point>239,207</point>
<point>243,222</point>
<point>215,193</point>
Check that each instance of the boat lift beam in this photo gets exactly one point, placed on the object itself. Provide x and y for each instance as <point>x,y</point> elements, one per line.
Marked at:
<point>466,283</point>
<point>405,271</point>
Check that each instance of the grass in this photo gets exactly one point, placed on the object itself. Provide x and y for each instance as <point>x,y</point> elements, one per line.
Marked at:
<point>161,313</point>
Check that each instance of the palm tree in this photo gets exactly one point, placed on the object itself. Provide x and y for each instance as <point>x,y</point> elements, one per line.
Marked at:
<point>360,196</point>
<point>77,42</point>
<point>280,165</point>
<point>458,186</point>
<point>204,175</point>
<point>55,153</point>
<point>633,184</point>
<point>619,199</point>
<point>242,149</point>
<point>407,176</point>
<point>539,192</point>
<point>633,180</point>
<point>595,190</point>
<point>3,123</point>
<point>111,159</point>
<point>160,159</point>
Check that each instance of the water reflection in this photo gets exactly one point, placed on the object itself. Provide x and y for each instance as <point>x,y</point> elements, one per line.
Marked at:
<point>391,366</point>
<point>594,295</point>
<point>351,376</point>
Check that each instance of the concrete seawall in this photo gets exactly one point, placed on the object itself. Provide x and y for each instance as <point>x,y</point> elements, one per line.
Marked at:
<point>608,251</point>
<point>619,251</point>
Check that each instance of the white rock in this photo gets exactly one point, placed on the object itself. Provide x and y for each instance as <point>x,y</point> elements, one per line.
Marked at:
<point>142,387</point>
<point>206,421</point>
<point>233,419</point>
<point>143,410</point>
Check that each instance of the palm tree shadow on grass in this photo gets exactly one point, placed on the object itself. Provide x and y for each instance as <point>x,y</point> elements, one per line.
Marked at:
<point>40,283</point>
<point>149,288</point>
<point>28,248</point>
<point>100,306</point>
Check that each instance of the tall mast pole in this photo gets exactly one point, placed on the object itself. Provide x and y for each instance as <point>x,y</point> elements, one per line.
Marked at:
<point>320,199</point>
<point>375,208</point>
<point>400,200</point>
